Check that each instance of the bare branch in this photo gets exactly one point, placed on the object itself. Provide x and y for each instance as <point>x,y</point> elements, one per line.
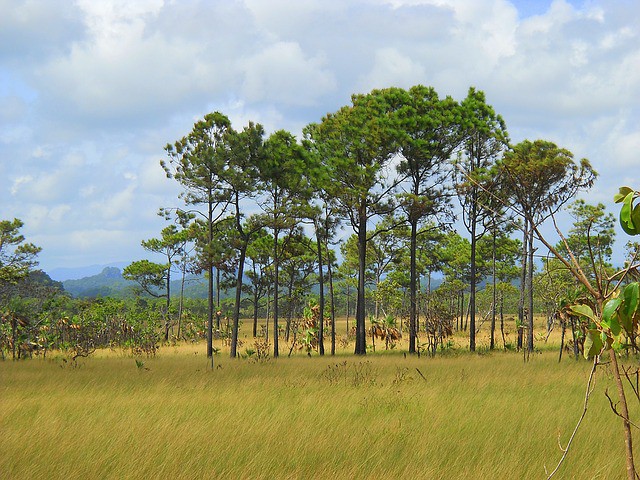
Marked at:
<point>589,389</point>
<point>615,410</point>
<point>573,266</point>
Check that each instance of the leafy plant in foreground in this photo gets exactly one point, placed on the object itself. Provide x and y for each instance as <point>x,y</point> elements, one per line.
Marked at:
<point>612,315</point>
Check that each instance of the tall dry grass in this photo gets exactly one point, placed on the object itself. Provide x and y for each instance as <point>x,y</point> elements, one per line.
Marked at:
<point>471,416</point>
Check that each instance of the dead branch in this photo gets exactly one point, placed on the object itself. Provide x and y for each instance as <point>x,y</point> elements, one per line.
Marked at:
<point>587,394</point>
<point>615,410</point>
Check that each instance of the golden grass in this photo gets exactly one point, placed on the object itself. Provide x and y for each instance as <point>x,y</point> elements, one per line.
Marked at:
<point>476,416</point>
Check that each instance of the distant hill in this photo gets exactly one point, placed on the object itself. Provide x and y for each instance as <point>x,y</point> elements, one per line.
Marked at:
<point>36,284</point>
<point>110,283</point>
<point>71,273</point>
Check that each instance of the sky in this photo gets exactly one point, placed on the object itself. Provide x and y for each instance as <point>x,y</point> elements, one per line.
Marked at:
<point>91,91</point>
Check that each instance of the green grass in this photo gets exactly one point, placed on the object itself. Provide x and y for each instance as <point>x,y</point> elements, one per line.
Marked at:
<point>476,416</point>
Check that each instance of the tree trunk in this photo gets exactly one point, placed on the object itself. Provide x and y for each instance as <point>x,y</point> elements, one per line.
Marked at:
<point>210,315</point>
<point>361,345</point>
<point>276,289</point>
<point>624,413</point>
<point>333,309</point>
<point>413,288</point>
<point>167,322</point>
<point>563,325</point>
<point>321,300</point>
<point>236,309</point>
<point>218,299</point>
<point>181,304</point>
<point>523,281</point>
<point>289,309</point>
<point>268,315</point>
<point>210,292</point>
<point>256,299</point>
<point>492,342</point>
<point>530,293</point>
<point>472,293</point>
<point>504,340</point>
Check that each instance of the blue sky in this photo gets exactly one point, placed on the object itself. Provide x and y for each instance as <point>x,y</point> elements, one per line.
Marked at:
<point>528,8</point>
<point>92,90</point>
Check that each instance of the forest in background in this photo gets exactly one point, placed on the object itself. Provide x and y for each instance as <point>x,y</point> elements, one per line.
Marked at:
<point>356,218</point>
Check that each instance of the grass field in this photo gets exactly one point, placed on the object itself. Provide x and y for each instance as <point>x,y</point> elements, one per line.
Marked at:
<point>472,416</point>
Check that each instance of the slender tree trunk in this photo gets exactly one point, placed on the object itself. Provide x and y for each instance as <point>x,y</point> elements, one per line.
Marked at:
<point>419,299</point>
<point>493,308</point>
<point>181,303</point>
<point>523,281</point>
<point>563,325</point>
<point>460,309</point>
<point>472,293</point>
<point>289,310</point>
<point>268,316</point>
<point>464,315</point>
<point>504,340</point>
<point>361,345</point>
<point>530,292</point>
<point>413,288</point>
<point>333,309</point>
<point>348,305</point>
<point>167,322</point>
<point>276,280</point>
<point>14,335</point>
<point>321,283</point>
<point>256,299</point>
<point>236,309</point>
<point>210,315</point>
<point>218,299</point>
<point>624,412</point>
<point>376,308</point>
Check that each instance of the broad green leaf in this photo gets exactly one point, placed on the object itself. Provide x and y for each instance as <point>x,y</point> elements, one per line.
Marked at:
<point>630,216</point>
<point>584,311</point>
<point>610,315</point>
<point>625,214</point>
<point>619,342</point>
<point>625,321</point>
<point>635,219</point>
<point>631,296</point>
<point>593,344</point>
<point>623,192</point>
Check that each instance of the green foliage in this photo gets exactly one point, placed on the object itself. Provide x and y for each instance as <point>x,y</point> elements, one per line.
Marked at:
<point>629,213</point>
<point>150,276</point>
<point>617,324</point>
<point>17,257</point>
<point>541,177</point>
<point>590,239</point>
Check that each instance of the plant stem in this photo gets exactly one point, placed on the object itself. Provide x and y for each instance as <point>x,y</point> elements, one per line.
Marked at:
<point>587,394</point>
<point>628,441</point>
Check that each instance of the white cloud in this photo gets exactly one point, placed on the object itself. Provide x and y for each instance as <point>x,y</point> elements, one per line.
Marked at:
<point>87,191</point>
<point>19,182</point>
<point>91,91</point>
<point>89,240</point>
<point>392,68</point>
<point>48,217</point>
<point>124,68</point>
<point>35,28</point>
<point>117,206</point>
<point>282,73</point>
